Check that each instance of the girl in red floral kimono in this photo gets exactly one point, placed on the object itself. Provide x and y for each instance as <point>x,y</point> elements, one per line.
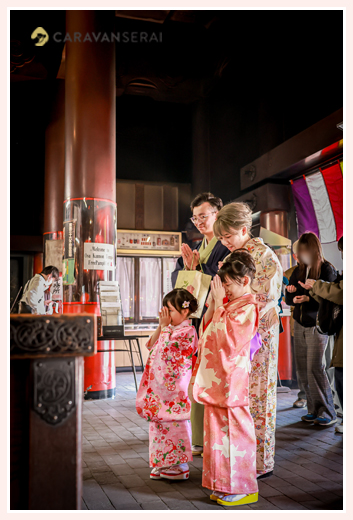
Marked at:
<point>221,383</point>
<point>162,398</point>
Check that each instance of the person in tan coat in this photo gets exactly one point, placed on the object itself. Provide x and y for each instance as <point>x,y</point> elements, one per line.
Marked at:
<point>333,291</point>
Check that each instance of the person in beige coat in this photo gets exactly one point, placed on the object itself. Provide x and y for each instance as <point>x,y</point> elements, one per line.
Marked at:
<point>333,291</point>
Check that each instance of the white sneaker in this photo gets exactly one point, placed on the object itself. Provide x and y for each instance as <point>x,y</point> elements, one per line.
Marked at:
<point>299,403</point>
<point>339,428</point>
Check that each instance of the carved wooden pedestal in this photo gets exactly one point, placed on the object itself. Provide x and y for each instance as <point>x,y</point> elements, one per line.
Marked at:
<point>46,395</point>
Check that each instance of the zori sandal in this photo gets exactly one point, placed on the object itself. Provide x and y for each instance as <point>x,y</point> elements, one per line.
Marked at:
<point>216,495</point>
<point>177,472</point>
<point>238,500</point>
<point>156,473</point>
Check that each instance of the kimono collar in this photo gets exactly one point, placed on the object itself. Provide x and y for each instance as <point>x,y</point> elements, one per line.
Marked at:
<point>206,250</point>
<point>246,299</point>
<point>253,242</point>
<point>181,325</point>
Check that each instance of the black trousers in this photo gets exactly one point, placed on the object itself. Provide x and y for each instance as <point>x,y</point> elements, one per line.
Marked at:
<point>339,384</point>
<point>23,308</point>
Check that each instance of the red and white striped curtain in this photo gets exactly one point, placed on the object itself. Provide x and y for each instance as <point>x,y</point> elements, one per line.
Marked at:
<point>318,201</point>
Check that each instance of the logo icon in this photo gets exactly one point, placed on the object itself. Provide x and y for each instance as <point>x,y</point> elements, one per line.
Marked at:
<point>41,36</point>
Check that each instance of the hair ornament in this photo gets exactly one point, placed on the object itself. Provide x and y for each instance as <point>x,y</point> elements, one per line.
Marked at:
<point>186,304</point>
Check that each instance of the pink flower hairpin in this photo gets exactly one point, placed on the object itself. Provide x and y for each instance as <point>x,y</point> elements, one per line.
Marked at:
<point>185,305</point>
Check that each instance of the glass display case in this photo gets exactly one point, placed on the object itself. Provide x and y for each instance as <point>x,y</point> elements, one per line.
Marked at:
<point>143,281</point>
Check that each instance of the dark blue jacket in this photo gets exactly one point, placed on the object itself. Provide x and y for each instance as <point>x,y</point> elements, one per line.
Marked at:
<point>219,252</point>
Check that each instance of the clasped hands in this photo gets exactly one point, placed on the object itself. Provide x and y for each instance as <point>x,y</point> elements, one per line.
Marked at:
<point>217,290</point>
<point>187,255</point>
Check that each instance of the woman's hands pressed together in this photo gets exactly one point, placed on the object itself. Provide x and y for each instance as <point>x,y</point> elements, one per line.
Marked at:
<point>164,318</point>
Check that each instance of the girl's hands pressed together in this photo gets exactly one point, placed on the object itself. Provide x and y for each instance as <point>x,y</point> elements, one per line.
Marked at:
<point>291,288</point>
<point>164,318</point>
<point>217,289</point>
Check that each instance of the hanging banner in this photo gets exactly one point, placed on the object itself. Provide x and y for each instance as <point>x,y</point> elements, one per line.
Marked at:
<point>98,256</point>
<point>318,201</point>
<point>69,239</point>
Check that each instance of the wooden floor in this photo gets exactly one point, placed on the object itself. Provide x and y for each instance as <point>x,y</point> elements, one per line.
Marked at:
<point>308,471</point>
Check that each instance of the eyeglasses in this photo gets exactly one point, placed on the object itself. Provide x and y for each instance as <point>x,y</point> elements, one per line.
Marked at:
<point>201,218</point>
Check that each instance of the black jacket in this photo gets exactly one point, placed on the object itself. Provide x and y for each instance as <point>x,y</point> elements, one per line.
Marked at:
<point>305,313</point>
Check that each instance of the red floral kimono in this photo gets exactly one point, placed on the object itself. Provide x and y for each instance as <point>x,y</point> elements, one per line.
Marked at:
<point>221,382</point>
<point>162,398</point>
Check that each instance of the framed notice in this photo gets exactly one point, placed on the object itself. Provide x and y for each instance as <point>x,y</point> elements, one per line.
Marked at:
<point>148,242</point>
<point>98,256</point>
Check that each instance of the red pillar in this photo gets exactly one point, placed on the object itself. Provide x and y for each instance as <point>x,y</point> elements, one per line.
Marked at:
<point>54,179</point>
<point>55,165</point>
<point>90,177</point>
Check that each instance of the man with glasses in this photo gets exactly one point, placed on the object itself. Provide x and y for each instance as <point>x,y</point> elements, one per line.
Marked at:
<point>208,253</point>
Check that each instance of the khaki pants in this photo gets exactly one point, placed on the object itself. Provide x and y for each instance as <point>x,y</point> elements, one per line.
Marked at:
<point>197,412</point>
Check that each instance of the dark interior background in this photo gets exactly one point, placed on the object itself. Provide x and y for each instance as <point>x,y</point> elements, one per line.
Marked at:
<point>275,73</point>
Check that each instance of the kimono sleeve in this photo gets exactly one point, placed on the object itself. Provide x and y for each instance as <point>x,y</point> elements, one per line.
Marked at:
<point>149,345</point>
<point>239,325</point>
<point>267,283</point>
<point>222,377</point>
<point>186,339</point>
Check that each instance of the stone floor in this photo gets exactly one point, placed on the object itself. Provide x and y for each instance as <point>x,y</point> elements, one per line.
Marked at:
<point>308,472</point>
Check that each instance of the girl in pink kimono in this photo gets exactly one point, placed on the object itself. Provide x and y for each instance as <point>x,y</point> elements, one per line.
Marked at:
<point>221,382</point>
<point>233,229</point>
<point>162,398</point>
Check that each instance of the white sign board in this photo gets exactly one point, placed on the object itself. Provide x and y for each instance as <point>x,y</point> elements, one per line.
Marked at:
<point>99,256</point>
<point>54,253</point>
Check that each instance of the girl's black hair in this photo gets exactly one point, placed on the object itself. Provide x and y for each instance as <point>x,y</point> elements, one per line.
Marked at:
<point>240,263</point>
<point>177,297</point>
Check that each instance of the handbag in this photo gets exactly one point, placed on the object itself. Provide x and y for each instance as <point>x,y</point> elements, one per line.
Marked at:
<point>198,284</point>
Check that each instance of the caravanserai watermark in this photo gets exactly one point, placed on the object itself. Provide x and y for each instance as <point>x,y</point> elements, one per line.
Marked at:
<point>123,37</point>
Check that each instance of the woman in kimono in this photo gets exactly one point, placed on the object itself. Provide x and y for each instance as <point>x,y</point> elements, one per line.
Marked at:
<point>162,398</point>
<point>233,229</point>
<point>209,252</point>
<point>221,383</point>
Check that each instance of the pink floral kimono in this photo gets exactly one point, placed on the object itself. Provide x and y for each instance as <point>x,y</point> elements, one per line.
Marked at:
<point>221,382</point>
<point>162,398</point>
